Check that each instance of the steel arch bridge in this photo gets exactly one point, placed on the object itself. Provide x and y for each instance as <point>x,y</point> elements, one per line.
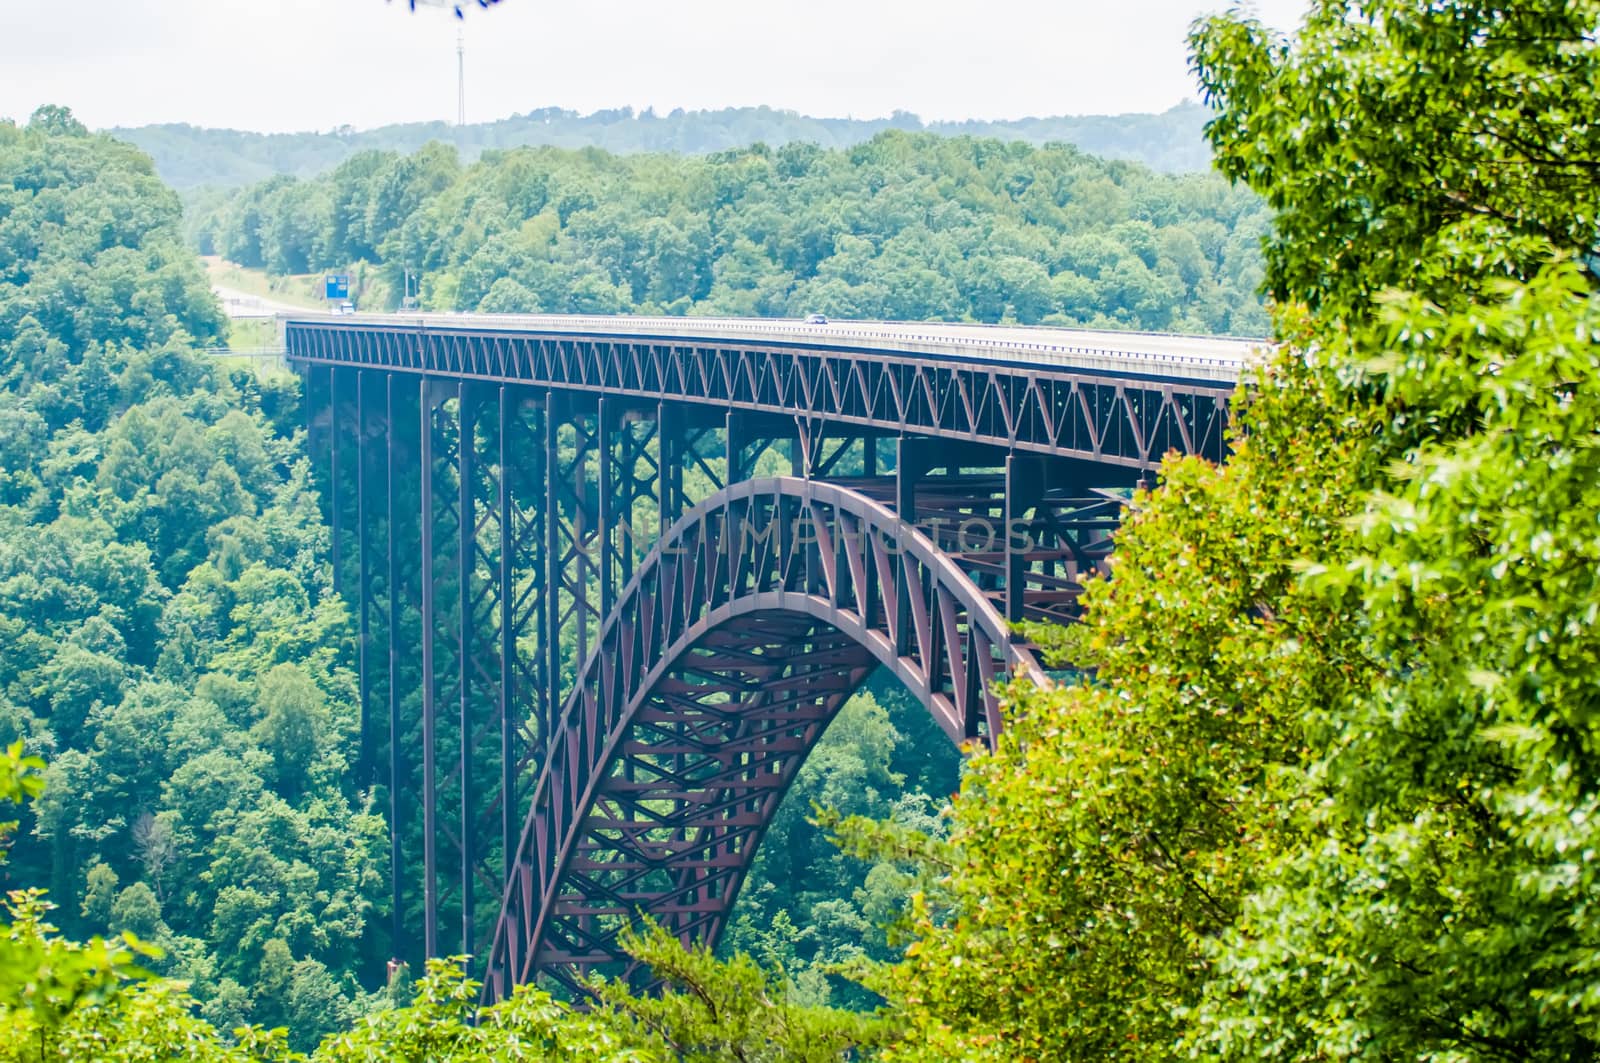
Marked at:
<point>614,577</point>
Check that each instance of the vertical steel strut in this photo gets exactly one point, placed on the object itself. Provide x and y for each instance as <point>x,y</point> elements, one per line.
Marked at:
<point>466,522</point>
<point>430,876</point>
<point>396,737</point>
<point>364,566</point>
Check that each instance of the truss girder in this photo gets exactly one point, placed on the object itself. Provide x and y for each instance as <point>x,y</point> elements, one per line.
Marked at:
<point>1119,420</point>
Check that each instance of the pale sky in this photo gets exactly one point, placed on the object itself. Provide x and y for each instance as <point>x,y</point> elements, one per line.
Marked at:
<point>282,65</point>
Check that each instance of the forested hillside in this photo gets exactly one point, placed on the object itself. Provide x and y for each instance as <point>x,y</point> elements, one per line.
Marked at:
<point>170,644</point>
<point>187,156</point>
<point>904,227</point>
<point>168,640</point>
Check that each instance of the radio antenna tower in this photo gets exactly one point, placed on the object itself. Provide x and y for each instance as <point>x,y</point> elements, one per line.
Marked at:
<point>461,54</point>
<point>461,76</point>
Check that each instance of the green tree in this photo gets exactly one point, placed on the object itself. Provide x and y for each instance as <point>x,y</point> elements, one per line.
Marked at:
<point>1382,133</point>
<point>136,911</point>
<point>710,1011</point>
<point>1433,903</point>
<point>99,894</point>
<point>1322,795</point>
<point>293,716</point>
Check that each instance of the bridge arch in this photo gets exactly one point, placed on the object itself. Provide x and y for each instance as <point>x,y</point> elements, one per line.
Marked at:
<point>731,649</point>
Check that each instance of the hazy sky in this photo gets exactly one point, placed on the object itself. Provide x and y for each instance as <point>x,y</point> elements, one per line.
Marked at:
<point>277,65</point>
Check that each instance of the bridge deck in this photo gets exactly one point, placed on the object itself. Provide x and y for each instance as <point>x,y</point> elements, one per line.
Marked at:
<point>1151,355</point>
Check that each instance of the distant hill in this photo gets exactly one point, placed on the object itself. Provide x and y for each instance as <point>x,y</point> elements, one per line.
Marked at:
<point>187,156</point>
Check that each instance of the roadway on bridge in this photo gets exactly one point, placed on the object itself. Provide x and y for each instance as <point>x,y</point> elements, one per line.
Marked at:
<point>1209,358</point>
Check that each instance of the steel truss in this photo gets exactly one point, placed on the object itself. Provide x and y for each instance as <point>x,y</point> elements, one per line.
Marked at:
<point>1112,420</point>
<point>728,653</point>
<point>440,486</point>
<point>595,648</point>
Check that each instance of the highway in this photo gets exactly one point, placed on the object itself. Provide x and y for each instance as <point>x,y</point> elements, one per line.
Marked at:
<point>237,304</point>
<point>1208,358</point>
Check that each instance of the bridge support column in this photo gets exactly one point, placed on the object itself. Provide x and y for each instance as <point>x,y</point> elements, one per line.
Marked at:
<point>914,460</point>
<point>670,453</point>
<point>552,558</point>
<point>632,449</point>
<point>337,424</point>
<point>365,384</point>
<point>1025,476</point>
<point>336,475</point>
<point>467,636</point>
<point>606,522</point>
<point>448,557</point>
<point>737,440</point>
<point>426,559</point>
<point>521,586</point>
<point>402,586</point>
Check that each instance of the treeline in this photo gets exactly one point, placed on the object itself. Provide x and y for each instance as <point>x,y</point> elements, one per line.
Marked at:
<point>187,156</point>
<point>904,227</point>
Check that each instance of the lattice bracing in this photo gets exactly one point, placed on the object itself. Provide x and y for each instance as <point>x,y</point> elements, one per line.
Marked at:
<point>728,653</point>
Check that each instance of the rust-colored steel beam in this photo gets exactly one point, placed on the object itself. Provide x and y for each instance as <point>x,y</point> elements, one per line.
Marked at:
<point>727,654</point>
<point>1127,421</point>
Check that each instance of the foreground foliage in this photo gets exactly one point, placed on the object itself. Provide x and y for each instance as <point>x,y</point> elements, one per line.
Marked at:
<point>63,1000</point>
<point>1330,792</point>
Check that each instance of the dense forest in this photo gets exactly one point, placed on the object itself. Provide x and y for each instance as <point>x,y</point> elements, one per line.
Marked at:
<point>1327,788</point>
<point>171,646</point>
<point>170,642</point>
<point>903,227</point>
<point>187,157</point>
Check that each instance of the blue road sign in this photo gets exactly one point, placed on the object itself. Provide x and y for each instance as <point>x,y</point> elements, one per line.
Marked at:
<point>338,286</point>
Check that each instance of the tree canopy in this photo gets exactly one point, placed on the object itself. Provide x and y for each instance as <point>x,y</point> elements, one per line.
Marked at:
<point>905,226</point>
<point>169,640</point>
<point>1328,792</point>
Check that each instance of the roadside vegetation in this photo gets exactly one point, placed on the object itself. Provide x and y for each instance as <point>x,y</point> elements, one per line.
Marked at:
<point>303,290</point>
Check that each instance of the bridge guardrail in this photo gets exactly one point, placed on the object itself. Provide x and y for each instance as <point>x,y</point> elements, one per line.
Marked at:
<point>1224,362</point>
